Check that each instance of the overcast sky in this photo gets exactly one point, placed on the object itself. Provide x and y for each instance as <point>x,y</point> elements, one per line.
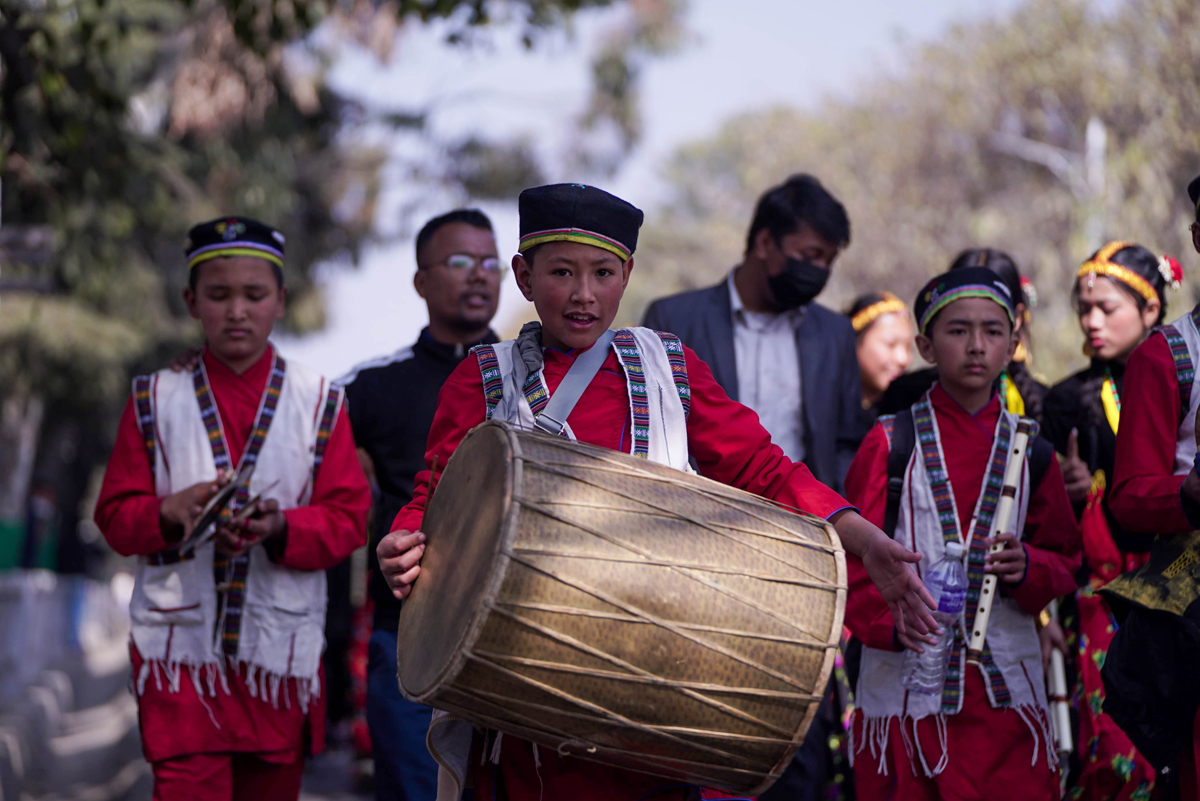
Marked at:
<point>737,57</point>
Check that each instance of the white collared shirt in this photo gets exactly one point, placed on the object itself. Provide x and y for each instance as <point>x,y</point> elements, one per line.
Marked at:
<point>768,370</point>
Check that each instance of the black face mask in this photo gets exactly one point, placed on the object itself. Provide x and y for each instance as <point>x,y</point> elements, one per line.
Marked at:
<point>798,284</point>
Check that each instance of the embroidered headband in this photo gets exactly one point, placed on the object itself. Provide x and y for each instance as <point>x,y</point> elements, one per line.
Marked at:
<point>965,282</point>
<point>233,236</point>
<point>1102,264</point>
<point>865,316</point>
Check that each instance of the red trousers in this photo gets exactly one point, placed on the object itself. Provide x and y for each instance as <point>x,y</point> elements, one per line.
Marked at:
<point>226,777</point>
<point>990,751</point>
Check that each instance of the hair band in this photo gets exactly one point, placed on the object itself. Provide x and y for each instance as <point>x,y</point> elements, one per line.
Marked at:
<point>864,317</point>
<point>1101,264</point>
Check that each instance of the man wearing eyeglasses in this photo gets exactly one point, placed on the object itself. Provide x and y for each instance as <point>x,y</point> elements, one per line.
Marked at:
<point>392,400</point>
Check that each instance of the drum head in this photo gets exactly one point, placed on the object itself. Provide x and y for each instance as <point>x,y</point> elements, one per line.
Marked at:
<point>465,523</point>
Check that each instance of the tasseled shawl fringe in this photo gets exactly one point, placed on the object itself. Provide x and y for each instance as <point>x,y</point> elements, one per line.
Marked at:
<point>875,738</point>
<point>269,687</point>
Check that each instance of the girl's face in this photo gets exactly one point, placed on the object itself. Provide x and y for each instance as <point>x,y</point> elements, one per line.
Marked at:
<point>884,352</point>
<point>1111,321</point>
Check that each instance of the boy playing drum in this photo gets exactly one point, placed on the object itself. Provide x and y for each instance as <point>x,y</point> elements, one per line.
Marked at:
<point>651,397</point>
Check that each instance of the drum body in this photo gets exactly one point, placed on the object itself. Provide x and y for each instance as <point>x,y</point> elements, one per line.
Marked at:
<point>621,611</point>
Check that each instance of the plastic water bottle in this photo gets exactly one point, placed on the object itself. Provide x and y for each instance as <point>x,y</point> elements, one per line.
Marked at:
<point>947,583</point>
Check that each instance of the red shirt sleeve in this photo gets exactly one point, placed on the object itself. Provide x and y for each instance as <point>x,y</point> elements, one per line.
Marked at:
<point>334,523</point>
<point>730,445</point>
<point>460,408</point>
<point>1145,492</point>
<point>1053,544</point>
<point>127,509</point>
<point>867,616</point>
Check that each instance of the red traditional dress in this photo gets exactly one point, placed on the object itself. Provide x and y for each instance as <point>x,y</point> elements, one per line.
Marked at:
<point>1111,769</point>
<point>728,445</point>
<point>990,753</point>
<point>1146,486</point>
<point>229,739</point>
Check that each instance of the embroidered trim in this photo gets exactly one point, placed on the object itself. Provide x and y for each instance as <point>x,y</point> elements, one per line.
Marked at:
<point>943,495</point>
<point>999,690</point>
<point>536,394</point>
<point>989,499</point>
<point>639,406</point>
<point>939,483</point>
<point>208,413</point>
<point>952,689</point>
<point>230,574</point>
<point>493,382</point>
<point>145,414</point>
<point>328,418</point>
<point>1185,373</point>
<point>678,361</point>
<point>888,421</point>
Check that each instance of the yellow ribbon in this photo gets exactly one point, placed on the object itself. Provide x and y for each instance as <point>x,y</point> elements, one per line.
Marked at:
<point>1112,408</point>
<point>1012,397</point>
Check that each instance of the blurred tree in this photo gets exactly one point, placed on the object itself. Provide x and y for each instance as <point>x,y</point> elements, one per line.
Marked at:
<point>124,121</point>
<point>917,159</point>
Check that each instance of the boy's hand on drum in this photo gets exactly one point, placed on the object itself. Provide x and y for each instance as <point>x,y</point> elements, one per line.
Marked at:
<point>887,563</point>
<point>400,555</point>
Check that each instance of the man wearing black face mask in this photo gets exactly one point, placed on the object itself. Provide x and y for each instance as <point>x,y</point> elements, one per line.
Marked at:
<point>793,362</point>
<point>770,347</point>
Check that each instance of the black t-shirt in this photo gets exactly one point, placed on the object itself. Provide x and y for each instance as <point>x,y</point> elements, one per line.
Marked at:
<point>391,402</point>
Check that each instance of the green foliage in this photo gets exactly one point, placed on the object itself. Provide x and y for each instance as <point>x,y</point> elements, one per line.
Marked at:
<point>124,122</point>
<point>914,158</point>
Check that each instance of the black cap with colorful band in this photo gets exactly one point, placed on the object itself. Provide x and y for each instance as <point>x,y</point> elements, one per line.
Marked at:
<point>233,236</point>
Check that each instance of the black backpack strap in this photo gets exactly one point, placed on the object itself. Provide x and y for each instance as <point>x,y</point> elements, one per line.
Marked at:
<point>901,443</point>
<point>1041,451</point>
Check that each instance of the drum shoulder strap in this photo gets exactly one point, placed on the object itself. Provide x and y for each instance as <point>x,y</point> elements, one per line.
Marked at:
<point>553,419</point>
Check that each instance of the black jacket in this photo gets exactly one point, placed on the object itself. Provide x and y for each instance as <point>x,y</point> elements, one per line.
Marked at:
<point>829,380</point>
<point>1064,410</point>
<point>391,401</point>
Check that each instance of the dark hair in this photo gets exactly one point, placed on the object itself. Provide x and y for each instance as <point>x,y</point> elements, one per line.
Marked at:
<point>1003,265</point>
<point>472,217</point>
<point>1144,263</point>
<point>192,273</point>
<point>800,199</point>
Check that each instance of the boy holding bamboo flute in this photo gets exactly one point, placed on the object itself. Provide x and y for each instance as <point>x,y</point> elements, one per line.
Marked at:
<point>981,730</point>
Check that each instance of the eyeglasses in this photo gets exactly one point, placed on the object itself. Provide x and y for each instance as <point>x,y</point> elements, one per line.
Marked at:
<point>465,263</point>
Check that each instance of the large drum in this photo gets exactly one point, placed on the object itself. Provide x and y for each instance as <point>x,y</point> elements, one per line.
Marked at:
<point>621,611</point>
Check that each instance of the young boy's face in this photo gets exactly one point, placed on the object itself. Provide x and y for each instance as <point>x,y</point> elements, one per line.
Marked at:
<point>237,300</point>
<point>970,342</point>
<point>576,290</point>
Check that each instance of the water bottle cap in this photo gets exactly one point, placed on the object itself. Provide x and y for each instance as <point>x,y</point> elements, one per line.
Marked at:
<point>954,550</point>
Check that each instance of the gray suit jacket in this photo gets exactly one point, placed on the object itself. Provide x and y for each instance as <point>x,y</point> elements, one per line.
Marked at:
<point>832,393</point>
